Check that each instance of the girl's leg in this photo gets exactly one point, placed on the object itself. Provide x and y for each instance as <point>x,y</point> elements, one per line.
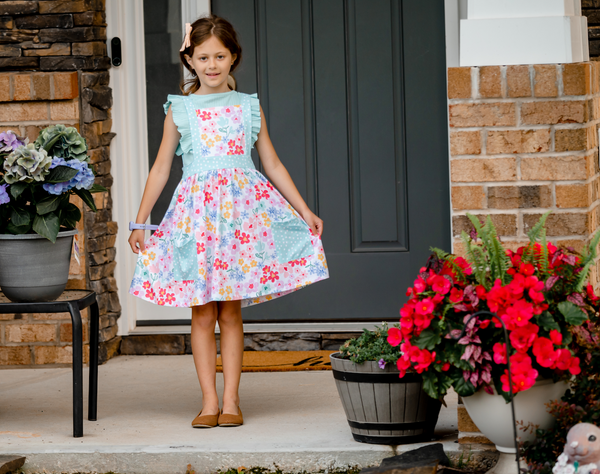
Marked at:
<point>232,351</point>
<point>204,348</point>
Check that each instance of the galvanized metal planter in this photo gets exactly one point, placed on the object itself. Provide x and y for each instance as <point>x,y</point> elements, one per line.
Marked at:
<point>34,269</point>
<point>381,407</point>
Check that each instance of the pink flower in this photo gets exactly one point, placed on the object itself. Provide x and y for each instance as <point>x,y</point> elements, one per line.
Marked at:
<point>523,337</point>
<point>394,337</point>
<point>556,337</point>
<point>424,307</point>
<point>499,353</point>
<point>441,285</point>
<point>544,352</point>
<point>420,286</point>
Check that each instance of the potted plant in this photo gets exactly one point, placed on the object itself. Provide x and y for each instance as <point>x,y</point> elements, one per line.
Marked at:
<point>37,219</point>
<point>381,407</point>
<point>541,295</point>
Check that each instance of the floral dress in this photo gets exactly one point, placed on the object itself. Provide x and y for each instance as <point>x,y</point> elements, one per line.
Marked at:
<point>228,234</point>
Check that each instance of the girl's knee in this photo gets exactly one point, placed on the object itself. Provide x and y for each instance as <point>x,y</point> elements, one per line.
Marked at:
<point>205,316</point>
<point>230,313</point>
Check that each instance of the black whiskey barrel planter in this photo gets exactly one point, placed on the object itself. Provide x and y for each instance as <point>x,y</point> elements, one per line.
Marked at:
<point>381,407</point>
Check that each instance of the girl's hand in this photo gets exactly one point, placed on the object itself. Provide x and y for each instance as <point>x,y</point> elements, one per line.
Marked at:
<point>315,224</point>
<point>136,241</point>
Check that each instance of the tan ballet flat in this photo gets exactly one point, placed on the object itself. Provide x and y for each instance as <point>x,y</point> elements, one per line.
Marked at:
<point>226,419</point>
<point>205,421</point>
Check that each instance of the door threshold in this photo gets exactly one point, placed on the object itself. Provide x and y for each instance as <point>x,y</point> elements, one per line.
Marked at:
<point>250,328</point>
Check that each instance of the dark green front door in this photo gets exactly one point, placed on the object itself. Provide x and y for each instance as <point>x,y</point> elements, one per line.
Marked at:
<point>354,93</point>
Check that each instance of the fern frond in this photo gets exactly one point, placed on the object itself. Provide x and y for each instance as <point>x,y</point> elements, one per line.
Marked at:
<point>534,234</point>
<point>477,258</point>
<point>541,259</point>
<point>448,257</point>
<point>589,255</point>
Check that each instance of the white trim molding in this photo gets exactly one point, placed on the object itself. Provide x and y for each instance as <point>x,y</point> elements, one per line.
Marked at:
<point>504,32</point>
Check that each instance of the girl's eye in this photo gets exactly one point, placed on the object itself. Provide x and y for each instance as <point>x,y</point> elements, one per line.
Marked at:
<point>592,438</point>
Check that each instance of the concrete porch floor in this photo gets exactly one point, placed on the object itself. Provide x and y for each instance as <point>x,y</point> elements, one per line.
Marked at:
<point>293,420</point>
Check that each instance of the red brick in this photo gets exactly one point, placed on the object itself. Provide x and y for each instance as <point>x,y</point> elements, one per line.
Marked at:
<point>483,169</point>
<point>506,224</point>
<point>64,110</point>
<point>518,141</point>
<point>21,87</point>
<point>66,332</point>
<point>545,80</point>
<point>465,143</point>
<point>554,168</point>
<point>574,139</point>
<point>15,355</point>
<point>66,85</point>
<point>483,115</point>
<point>30,332</point>
<point>577,79</point>
<point>519,197</point>
<point>41,87</point>
<point>4,87</point>
<point>23,111</point>
<point>572,195</point>
<point>468,197</point>
<point>553,112</point>
<point>559,224</point>
<point>490,81</point>
<point>518,81</point>
<point>459,82</point>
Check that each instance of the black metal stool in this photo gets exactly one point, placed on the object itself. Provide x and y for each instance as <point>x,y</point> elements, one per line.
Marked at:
<point>72,301</point>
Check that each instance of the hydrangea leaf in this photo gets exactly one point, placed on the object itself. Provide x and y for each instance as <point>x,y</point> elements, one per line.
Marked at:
<point>61,174</point>
<point>97,188</point>
<point>20,217</point>
<point>47,226</point>
<point>69,216</point>
<point>48,204</point>
<point>572,313</point>
<point>86,197</point>
<point>17,189</point>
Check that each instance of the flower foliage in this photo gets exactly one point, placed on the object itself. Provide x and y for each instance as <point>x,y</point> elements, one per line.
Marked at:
<point>580,404</point>
<point>37,180</point>
<point>372,346</point>
<point>538,292</point>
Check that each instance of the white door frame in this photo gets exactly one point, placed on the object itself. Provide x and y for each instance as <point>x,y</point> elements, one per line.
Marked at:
<point>129,149</point>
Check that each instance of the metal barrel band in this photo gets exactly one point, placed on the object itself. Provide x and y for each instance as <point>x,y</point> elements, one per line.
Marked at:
<point>374,377</point>
<point>414,425</point>
<point>386,439</point>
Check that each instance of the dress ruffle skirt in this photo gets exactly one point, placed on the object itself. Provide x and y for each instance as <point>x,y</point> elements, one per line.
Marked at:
<point>228,235</point>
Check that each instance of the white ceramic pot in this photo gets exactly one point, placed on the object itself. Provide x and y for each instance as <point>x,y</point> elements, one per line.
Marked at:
<point>493,416</point>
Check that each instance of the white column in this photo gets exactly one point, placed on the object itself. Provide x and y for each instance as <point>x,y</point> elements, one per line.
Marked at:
<point>502,32</point>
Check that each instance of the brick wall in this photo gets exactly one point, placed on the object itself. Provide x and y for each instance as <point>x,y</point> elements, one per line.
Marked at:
<point>54,69</point>
<point>524,140</point>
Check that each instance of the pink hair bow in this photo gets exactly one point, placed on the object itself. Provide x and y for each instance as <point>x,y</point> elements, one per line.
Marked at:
<point>186,40</point>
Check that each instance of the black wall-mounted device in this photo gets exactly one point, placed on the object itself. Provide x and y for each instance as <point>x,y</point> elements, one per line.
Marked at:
<point>115,50</point>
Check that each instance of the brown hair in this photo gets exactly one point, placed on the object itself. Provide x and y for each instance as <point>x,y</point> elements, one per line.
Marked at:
<point>203,29</point>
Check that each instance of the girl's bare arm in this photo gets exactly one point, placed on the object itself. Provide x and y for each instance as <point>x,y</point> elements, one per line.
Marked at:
<point>157,179</point>
<point>278,174</point>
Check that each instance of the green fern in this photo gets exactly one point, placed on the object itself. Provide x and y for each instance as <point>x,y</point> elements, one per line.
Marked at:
<point>589,255</point>
<point>534,235</point>
<point>477,258</point>
<point>448,257</point>
<point>541,259</point>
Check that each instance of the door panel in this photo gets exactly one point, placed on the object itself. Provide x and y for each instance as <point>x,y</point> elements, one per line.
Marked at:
<point>354,96</point>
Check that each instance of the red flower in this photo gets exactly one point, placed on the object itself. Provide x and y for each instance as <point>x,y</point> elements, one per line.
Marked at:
<point>394,337</point>
<point>500,353</point>
<point>456,295</point>
<point>424,307</point>
<point>544,352</point>
<point>556,337</point>
<point>441,285</point>
<point>523,337</point>
<point>519,314</point>
<point>420,286</point>
<point>464,265</point>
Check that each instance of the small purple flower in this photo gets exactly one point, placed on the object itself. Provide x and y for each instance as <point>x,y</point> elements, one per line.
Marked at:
<point>4,197</point>
<point>9,142</point>
<point>382,364</point>
<point>82,180</point>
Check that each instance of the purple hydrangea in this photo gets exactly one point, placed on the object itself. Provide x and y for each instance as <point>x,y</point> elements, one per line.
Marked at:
<point>4,198</point>
<point>84,179</point>
<point>382,364</point>
<point>10,142</point>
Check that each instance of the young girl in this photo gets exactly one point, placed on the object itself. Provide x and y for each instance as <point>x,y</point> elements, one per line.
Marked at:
<point>229,239</point>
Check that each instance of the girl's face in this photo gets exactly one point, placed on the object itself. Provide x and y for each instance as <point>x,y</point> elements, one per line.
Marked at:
<point>212,61</point>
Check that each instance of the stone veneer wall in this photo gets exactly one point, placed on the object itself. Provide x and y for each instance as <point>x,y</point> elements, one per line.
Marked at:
<point>54,69</point>
<point>524,140</point>
<point>591,9</point>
